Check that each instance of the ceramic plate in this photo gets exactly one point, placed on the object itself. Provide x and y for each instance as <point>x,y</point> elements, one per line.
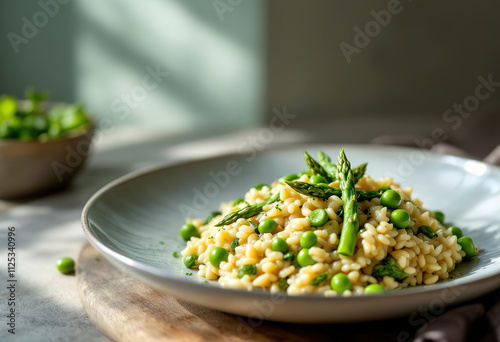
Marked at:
<point>134,222</point>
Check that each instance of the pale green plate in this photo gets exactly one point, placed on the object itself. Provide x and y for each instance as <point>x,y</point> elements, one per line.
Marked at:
<point>134,222</point>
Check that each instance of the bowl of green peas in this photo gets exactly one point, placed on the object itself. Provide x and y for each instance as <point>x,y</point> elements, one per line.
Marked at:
<point>42,145</point>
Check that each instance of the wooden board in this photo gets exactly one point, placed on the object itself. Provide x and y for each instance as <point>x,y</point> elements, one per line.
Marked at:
<point>126,309</point>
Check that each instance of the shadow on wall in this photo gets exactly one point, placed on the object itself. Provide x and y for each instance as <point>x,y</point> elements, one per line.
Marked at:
<point>171,63</point>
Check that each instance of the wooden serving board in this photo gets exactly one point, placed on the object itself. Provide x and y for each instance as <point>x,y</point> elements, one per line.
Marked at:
<point>125,309</point>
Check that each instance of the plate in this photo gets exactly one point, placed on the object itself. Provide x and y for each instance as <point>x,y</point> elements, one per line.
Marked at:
<point>134,222</point>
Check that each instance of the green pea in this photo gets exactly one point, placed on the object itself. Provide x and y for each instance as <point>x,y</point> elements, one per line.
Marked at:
<point>374,289</point>
<point>260,186</point>
<point>308,239</point>
<point>289,178</point>
<point>304,259</point>
<point>66,265</point>
<point>290,256</point>
<point>467,246</point>
<point>400,218</point>
<point>217,255</point>
<point>308,173</point>
<point>247,269</point>
<point>340,283</point>
<point>190,260</point>
<point>384,188</point>
<point>318,217</point>
<point>188,230</point>
<point>456,231</point>
<point>267,225</point>
<point>279,245</point>
<point>317,179</point>
<point>439,216</point>
<point>238,201</point>
<point>427,231</point>
<point>390,199</point>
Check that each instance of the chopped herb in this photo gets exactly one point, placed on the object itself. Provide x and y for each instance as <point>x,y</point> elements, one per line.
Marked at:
<point>283,284</point>
<point>210,237</point>
<point>247,269</point>
<point>277,207</point>
<point>319,279</point>
<point>175,254</point>
<point>189,274</point>
<point>97,259</point>
<point>206,281</point>
<point>388,267</point>
<point>255,227</point>
<point>235,243</point>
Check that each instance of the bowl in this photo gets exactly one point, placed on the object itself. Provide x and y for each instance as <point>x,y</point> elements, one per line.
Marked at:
<point>35,168</point>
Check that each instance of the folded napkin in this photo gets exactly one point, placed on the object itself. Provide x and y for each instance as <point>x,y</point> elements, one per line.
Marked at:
<point>474,321</point>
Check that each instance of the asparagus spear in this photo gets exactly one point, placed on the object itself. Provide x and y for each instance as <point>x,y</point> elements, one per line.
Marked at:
<point>247,212</point>
<point>325,191</point>
<point>388,267</point>
<point>359,172</point>
<point>350,224</point>
<point>326,163</point>
<point>316,167</point>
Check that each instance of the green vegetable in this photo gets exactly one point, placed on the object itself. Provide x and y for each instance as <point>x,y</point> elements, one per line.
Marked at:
<point>247,212</point>
<point>427,231</point>
<point>267,225</point>
<point>254,226</point>
<point>308,173</point>
<point>340,283</point>
<point>325,191</point>
<point>467,246</point>
<point>388,267</point>
<point>304,259</point>
<point>235,243</point>
<point>190,260</point>
<point>318,217</point>
<point>390,199</point>
<point>290,177</point>
<point>33,123</point>
<point>211,216</point>
<point>260,186</point>
<point>238,201</point>
<point>325,161</point>
<point>374,289</point>
<point>290,256</point>
<point>400,218</point>
<point>316,168</point>
<point>317,179</point>
<point>308,239</point>
<point>319,279</point>
<point>175,254</point>
<point>283,284</point>
<point>247,269</point>
<point>279,245</point>
<point>188,230</point>
<point>456,231</point>
<point>66,265</point>
<point>217,255</point>
<point>439,216</point>
<point>350,223</point>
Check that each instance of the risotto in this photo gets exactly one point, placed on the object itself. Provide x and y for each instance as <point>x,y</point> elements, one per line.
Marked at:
<point>331,230</point>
